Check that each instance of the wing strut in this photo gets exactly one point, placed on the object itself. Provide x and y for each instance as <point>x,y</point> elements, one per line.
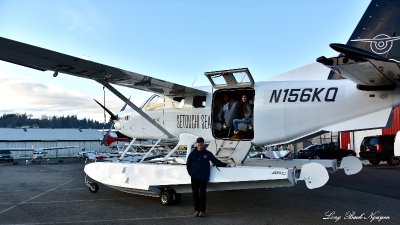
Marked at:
<point>134,107</point>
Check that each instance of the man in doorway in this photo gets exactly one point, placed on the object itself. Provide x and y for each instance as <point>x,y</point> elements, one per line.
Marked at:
<point>227,112</point>
<point>198,167</point>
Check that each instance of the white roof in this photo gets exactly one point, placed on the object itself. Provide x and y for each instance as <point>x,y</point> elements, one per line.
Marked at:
<point>39,134</point>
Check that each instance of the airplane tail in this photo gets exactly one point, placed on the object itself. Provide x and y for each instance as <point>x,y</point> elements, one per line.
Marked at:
<point>378,31</point>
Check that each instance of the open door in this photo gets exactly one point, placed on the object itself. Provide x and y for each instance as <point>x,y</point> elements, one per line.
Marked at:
<point>228,79</point>
<point>232,104</point>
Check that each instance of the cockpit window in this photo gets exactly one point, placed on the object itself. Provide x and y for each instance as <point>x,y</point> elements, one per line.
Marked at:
<point>155,104</point>
<point>178,102</point>
<point>199,101</point>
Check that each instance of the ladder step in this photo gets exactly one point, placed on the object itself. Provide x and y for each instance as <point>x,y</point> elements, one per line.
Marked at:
<point>224,159</point>
<point>226,148</point>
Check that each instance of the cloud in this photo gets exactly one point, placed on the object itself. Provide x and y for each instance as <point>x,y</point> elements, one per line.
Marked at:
<point>23,96</point>
<point>24,90</point>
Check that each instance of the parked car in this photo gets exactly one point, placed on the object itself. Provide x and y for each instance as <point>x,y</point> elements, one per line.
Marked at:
<point>324,151</point>
<point>6,155</point>
<point>379,148</point>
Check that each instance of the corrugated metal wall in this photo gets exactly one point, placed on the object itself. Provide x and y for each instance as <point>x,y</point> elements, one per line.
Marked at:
<point>344,140</point>
<point>29,139</point>
<point>70,152</point>
<point>395,123</point>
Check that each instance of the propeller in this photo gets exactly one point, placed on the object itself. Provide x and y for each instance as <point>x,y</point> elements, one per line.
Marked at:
<point>113,118</point>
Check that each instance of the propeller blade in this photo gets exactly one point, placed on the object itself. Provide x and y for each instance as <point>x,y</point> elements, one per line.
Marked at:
<point>123,107</point>
<point>112,116</point>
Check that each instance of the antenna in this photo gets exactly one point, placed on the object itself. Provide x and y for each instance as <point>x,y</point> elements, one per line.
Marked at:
<point>104,103</point>
<point>194,81</point>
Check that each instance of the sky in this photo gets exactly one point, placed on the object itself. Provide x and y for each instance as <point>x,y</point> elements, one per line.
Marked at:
<point>174,40</point>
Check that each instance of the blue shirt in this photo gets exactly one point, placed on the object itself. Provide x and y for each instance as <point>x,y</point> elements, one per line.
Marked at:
<point>198,164</point>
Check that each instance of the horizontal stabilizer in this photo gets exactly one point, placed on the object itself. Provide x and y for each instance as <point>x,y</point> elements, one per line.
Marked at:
<point>370,71</point>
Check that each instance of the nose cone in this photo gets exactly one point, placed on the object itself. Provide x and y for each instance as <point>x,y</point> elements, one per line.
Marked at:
<point>117,125</point>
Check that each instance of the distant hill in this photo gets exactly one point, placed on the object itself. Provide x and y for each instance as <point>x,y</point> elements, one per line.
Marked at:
<point>26,121</point>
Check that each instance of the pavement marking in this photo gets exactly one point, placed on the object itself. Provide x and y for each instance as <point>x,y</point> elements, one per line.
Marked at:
<point>5,210</point>
<point>210,215</point>
<point>77,200</point>
<point>71,189</point>
<point>13,191</point>
<point>64,189</point>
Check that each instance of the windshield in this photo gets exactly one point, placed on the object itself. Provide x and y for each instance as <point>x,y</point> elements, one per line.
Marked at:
<point>310,147</point>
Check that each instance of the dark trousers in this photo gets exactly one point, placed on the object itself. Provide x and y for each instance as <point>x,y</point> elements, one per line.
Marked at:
<point>199,194</point>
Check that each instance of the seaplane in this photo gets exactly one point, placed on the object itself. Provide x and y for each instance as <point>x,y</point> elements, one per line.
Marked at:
<point>361,90</point>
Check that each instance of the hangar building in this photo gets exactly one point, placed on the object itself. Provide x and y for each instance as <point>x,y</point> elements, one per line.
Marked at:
<point>36,138</point>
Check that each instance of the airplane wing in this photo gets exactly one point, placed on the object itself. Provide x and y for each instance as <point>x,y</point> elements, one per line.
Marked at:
<point>44,59</point>
<point>368,70</point>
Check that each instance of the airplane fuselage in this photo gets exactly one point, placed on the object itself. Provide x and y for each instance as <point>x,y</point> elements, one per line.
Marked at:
<point>283,111</point>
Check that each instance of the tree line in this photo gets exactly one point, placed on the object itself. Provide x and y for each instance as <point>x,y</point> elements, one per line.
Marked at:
<point>27,121</point>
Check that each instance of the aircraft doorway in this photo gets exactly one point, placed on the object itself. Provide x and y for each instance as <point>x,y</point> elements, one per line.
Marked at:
<point>232,114</point>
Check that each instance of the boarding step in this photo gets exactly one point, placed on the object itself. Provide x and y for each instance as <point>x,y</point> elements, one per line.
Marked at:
<point>230,149</point>
<point>224,152</point>
<point>225,159</point>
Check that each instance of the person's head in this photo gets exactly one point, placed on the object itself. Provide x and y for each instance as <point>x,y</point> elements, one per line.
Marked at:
<point>244,98</point>
<point>200,144</point>
<point>226,98</point>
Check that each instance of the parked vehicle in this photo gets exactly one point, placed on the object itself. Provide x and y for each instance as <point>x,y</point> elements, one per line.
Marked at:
<point>324,151</point>
<point>6,155</point>
<point>379,148</point>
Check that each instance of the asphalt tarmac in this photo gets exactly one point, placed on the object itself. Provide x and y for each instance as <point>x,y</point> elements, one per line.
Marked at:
<point>55,194</point>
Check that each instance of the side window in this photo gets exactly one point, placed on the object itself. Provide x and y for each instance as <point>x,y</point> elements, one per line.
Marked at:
<point>374,141</point>
<point>155,104</point>
<point>178,102</point>
<point>199,101</point>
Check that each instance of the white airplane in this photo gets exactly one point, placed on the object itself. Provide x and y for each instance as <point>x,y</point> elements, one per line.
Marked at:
<point>284,111</point>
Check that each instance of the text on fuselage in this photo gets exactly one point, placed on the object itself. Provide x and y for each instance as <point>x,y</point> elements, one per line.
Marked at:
<point>304,95</point>
<point>193,121</point>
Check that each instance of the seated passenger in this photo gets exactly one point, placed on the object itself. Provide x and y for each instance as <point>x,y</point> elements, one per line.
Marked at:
<point>227,112</point>
<point>246,115</point>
